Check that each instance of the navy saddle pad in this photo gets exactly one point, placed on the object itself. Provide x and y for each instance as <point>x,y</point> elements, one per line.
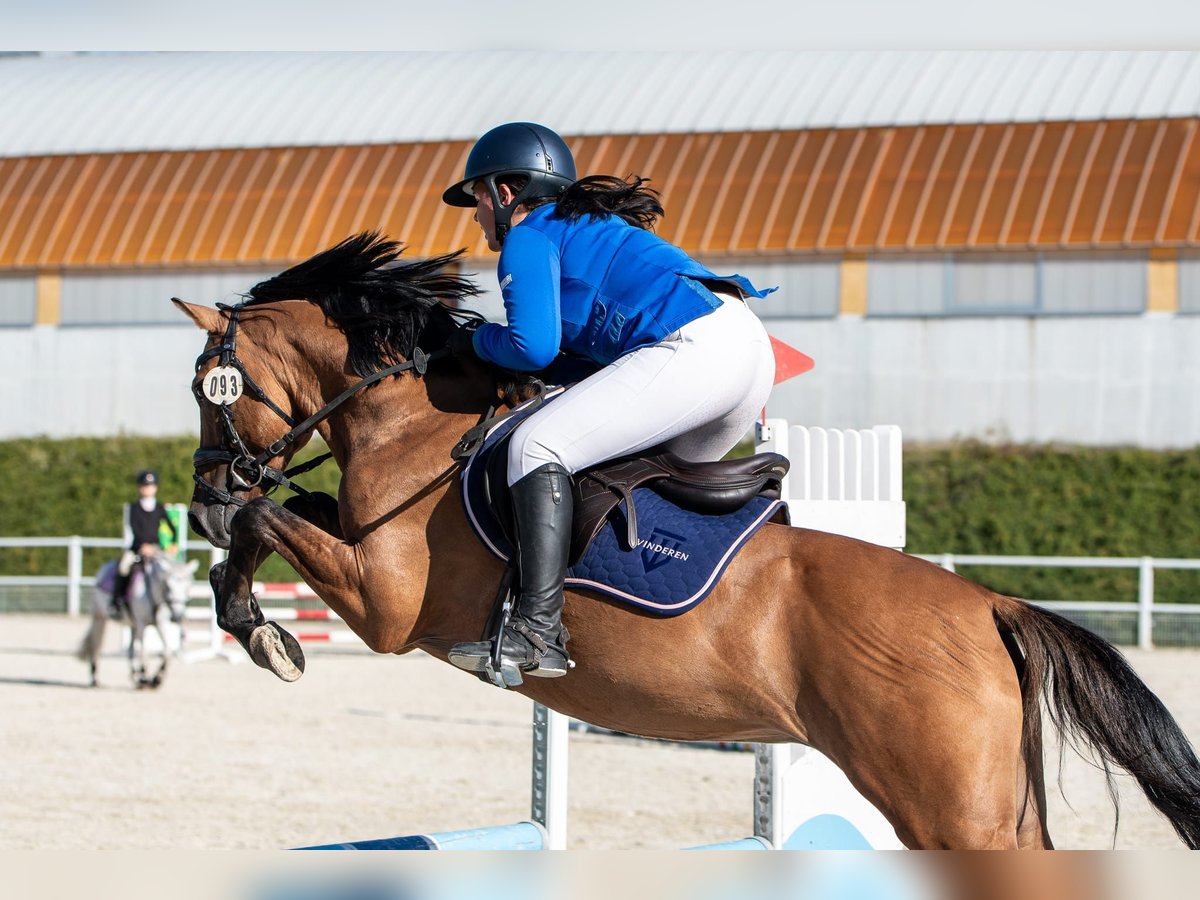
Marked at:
<point>679,557</point>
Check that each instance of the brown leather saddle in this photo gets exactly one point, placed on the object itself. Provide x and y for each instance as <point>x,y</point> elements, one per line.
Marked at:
<point>712,488</point>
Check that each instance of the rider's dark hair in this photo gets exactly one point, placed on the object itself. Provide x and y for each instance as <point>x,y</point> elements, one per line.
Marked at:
<point>602,195</point>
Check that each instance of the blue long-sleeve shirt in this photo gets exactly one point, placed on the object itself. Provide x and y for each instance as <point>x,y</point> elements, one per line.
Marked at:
<point>595,287</point>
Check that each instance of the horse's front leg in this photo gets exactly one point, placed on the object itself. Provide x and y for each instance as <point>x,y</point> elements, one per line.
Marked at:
<point>137,655</point>
<point>318,508</point>
<point>159,626</point>
<point>323,560</point>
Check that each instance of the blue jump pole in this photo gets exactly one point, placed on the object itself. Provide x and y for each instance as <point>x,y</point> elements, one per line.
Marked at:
<point>521,836</point>
<point>750,843</point>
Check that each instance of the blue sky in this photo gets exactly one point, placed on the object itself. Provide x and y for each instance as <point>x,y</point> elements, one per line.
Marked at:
<point>598,24</point>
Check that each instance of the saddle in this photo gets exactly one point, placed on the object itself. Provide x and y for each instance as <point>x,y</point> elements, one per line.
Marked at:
<point>710,488</point>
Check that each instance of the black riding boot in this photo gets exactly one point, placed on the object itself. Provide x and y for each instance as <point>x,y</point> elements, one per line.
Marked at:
<point>533,641</point>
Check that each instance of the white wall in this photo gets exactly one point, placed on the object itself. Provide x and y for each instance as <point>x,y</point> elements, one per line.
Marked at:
<point>99,381</point>
<point>1098,380</point>
<point>1087,380</point>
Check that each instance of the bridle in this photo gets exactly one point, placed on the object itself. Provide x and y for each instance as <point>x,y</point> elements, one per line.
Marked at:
<point>247,469</point>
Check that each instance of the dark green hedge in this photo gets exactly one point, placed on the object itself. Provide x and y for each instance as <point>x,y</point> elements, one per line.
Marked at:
<point>1052,501</point>
<point>77,486</point>
<point>964,498</point>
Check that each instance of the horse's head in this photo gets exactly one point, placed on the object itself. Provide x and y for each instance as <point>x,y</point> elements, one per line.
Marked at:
<point>269,364</point>
<point>244,408</point>
<point>174,582</point>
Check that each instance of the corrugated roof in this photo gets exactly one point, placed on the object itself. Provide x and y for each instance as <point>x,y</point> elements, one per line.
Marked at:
<point>1113,184</point>
<point>108,103</point>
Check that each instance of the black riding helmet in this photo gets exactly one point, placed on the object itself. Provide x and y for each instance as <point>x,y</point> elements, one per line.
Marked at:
<point>518,148</point>
<point>147,477</point>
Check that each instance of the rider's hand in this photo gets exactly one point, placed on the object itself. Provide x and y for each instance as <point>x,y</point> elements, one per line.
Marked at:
<point>462,342</point>
<point>147,550</point>
<point>172,549</point>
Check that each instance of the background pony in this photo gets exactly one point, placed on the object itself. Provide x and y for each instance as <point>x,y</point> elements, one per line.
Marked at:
<point>159,594</point>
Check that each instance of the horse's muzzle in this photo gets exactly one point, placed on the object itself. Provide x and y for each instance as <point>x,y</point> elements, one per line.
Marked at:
<point>211,522</point>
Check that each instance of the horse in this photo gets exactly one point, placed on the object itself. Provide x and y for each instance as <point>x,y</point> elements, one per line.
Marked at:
<point>161,595</point>
<point>924,687</point>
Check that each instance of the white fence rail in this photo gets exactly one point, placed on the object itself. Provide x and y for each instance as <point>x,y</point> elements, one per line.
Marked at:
<point>75,580</point>
<point>1143,605</point>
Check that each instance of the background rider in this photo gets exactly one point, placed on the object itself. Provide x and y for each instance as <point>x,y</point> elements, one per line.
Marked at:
<point>144,517</point>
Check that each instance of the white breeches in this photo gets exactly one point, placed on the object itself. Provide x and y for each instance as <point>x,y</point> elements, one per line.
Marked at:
<point>697,392</point>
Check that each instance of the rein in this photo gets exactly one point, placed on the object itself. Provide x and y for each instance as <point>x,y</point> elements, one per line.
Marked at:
<point>247,469</point>
<point>474,436</point>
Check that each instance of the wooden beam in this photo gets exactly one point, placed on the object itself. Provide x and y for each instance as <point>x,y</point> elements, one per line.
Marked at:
<point>48,308</point>
<point>1162,283</point>
<point>852,286</point>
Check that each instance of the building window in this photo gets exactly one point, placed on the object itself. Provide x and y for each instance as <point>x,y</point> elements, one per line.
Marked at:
<point>1009,285</point>
<point>807,290</point>
<point>1086,285</point>
<point>986,286</point>
<point>1189,284</point>
<point>18,301</point>
<point>906,287</point>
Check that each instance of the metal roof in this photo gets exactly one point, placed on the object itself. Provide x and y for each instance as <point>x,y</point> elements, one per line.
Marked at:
<point>1108,185</point>
<point>109,103</point>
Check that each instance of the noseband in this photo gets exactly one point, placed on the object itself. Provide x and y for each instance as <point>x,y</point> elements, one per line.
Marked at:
<point>247,469</point>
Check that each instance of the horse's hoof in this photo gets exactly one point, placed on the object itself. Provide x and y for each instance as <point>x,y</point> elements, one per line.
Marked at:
<point>273,648</point>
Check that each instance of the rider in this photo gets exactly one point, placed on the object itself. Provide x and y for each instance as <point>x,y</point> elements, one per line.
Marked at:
<point>144,517</point>
<point>685,363</point>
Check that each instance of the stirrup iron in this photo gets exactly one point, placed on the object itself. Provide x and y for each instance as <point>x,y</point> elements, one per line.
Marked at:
<point>494,670</point>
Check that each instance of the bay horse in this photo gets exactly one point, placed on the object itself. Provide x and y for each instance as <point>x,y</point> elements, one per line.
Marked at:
<point>925,688</point>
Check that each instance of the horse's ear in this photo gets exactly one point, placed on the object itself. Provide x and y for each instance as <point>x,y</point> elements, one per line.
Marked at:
<point>193,565</point>
<point>207,318</point>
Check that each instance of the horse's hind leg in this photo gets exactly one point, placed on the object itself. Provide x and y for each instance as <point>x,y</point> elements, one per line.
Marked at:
<point>961,804</point>
<point>1032,833</point>
<point>89,648</point>
<point>938,751</point>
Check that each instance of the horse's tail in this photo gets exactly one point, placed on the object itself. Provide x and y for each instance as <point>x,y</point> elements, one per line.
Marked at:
<point>1095,699</point>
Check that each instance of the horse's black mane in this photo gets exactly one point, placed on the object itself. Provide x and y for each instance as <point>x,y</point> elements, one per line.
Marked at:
<point>382,306</point>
